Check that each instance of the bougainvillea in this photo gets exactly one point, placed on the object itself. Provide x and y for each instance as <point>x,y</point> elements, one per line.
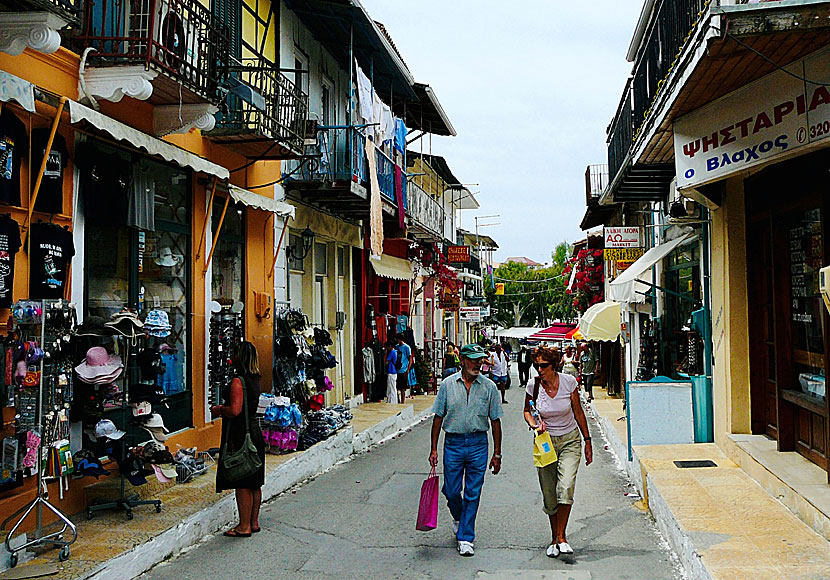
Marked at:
<point>431,262</point>
<point>587,288</point>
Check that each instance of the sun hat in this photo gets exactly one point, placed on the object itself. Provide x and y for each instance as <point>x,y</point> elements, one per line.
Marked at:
<point>473,352</point>
<point>157,323</point>
<point>92,326</point>
<point>126,323</point>
<point>166,258</point>
<point>107,429</point>
<point>99,366</point>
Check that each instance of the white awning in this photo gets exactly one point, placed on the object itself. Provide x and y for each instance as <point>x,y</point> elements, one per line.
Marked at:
<point>150,144</point>
<point>517,332</point>
<point>14,88</point>
<point>601,321</point>
<point>624,287</point>
<point>257,201</point>
<point>392,267</point>
<point>469,276</point>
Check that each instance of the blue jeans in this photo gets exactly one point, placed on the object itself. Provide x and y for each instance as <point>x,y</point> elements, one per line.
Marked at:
<point>465,461</point>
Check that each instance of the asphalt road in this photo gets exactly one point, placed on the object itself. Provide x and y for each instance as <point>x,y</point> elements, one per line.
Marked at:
<point>358,521</point>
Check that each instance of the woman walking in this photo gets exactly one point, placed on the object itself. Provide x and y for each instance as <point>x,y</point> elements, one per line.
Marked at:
<point>556,397</point>
<point>570,362</point>
<point>241,397</point>
<point>451,363</point>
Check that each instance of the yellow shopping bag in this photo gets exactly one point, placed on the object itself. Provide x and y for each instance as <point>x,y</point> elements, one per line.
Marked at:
<point>543,452</point>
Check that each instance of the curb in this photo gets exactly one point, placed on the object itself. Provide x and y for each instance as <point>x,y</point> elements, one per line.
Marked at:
<point>323,456</point>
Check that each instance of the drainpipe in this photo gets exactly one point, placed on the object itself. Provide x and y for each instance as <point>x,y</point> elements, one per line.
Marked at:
<point>707,403</point>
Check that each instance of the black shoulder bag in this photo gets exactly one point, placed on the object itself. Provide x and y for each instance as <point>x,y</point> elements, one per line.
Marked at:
<point>245,461</point>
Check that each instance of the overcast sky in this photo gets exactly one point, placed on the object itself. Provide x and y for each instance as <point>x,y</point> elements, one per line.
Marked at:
<point>530,86</point>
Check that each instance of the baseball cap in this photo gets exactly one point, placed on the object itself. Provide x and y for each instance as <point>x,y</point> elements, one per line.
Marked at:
<point>473,351</point>
<point>107,429</point>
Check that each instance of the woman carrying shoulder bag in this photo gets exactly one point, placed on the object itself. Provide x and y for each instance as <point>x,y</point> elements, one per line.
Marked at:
<point>556,397</point>
<point>237,468</point>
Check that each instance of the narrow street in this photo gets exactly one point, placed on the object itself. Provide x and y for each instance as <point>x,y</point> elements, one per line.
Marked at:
<point>358,521</point>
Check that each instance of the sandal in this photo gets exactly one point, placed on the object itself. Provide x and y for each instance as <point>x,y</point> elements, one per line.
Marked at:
<point>232,533</point>
<point>256,530</point>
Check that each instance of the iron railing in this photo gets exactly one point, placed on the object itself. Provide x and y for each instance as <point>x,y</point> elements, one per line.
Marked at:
<point>340,156</point>
<point>69,10</point>
<point>180,38</point>
<point>425,210</point>
<point>596,180</point>
<point>667,35</point>
<point>285,109</point>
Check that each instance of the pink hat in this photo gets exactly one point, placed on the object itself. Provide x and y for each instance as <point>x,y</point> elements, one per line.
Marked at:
<point>99,365</point>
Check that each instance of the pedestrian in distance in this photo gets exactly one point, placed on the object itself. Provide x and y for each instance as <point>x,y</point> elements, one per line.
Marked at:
<point>501,367</point>
<point>392,355</point>
<point>569,362</point>
<point>556,398</point>
<point>244,389</point>
<point>451,362</point>
<point>525,361</point>
<point>588,368</point>
<point>466,401</point>
<point>406,361</point>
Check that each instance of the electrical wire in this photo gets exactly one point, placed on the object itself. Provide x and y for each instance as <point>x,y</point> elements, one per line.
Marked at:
<point>775,64</point>
<point>281,179</point>
<point>531,281</point>
<point>256,159</point>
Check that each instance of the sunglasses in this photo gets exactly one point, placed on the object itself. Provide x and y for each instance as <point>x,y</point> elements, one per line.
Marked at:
<point>543,365</point>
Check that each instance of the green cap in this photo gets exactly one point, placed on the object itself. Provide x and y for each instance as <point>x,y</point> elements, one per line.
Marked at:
<point>473,351</point>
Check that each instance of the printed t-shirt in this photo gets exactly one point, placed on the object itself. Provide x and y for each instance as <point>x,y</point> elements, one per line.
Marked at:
<point>52,249</point>
<point>9,245</point>
<point>50,195</point>
<point>556,412</point>
<point>105,185</point>
<point>405,353</point>
<point>13,145</point>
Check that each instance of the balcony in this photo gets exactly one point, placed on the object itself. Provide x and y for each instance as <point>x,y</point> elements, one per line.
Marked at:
<point>596,180</point>
<point>426,216</point>
<point>163,51</point>
<point>337,174</point>
<point>265,114</point>
<point>36,24</point>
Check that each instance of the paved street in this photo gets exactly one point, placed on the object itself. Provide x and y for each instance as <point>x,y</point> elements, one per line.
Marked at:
<point>358,521</point>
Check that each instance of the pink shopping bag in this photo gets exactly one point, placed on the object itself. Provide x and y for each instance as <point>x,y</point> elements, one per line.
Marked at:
<point>428,508</point>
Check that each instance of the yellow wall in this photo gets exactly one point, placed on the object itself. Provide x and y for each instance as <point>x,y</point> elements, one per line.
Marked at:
<point>430,182</point>
<point>729,315</point>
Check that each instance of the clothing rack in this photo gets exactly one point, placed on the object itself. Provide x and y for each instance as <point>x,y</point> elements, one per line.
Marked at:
<point>41,501</point>
<point>124,502</point>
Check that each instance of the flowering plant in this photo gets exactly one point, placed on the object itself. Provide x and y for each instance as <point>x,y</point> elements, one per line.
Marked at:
<point>587,287</point>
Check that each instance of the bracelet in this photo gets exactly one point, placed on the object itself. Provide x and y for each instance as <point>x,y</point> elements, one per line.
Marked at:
<point>497,456</point>
<point>586,438</point>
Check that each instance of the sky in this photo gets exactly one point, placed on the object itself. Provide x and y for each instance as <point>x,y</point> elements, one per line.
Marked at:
<point>530,86</point>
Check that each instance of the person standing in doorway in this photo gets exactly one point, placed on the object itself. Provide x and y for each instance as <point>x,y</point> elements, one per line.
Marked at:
<point>406,361</point>
<point>588,368</point>
<point>525,361</point>
<point>391,372</point>
<point>501,366</point>
<point>466,401</point>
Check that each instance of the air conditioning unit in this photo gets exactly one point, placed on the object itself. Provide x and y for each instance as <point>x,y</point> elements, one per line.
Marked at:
<point>311,128</point>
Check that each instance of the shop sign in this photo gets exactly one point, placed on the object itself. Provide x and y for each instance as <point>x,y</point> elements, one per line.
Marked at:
<point>621,236</point>
<point>458,254</point>
<point>756,124</point>
<point>485,311</point>
<point>470,313</point>
<point>449,302</point>
<point>622,266</point>
<point>499,288</point>
<point>622,254</point>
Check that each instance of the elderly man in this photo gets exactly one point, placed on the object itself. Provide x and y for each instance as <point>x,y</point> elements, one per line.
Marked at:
<point>465,403</point>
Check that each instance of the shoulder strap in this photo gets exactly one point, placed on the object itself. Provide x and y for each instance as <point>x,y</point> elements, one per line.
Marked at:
<point>536,383</point>
<point>227,424</point>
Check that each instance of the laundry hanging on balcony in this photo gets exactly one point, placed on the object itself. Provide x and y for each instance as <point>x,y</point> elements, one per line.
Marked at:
<point>364,95</point>
<point>375,204</point>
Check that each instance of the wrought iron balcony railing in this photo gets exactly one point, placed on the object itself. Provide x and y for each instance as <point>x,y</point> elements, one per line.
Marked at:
<point>263,101</point>
<point>181,39</point>
<point>69,10</point>
<point>596,180</point>
<point>666,36</point>
<point>425,211</point>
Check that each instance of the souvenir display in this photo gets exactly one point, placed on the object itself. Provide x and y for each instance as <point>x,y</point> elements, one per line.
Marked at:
<point>225,332</point>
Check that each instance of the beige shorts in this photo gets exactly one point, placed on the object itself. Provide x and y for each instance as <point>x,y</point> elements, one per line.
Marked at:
<point>558,479</point>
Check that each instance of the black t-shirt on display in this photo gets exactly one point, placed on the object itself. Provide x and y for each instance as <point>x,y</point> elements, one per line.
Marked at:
<point>50,196</point>
<point>9,245</point>
<point>13,145</point>
<point>51,251</point>
<point>105,185</point>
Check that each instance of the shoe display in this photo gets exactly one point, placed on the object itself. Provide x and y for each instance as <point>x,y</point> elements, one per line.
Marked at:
<point>466,549</point>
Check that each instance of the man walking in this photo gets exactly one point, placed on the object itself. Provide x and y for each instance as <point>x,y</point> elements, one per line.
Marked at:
<point>525,362</point>
<point>406,361</point>
<point>465,402</point>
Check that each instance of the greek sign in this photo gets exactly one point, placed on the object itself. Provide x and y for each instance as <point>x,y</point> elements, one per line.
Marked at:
<point>756,124</point>
<point>458,254</point>
<point>621,236</point>
<point>622,254</point>
<point>470,313</point>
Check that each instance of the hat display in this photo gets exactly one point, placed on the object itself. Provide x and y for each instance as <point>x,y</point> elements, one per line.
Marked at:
<point>473,352</point>
<point>142,409</point>
<point>99,367</point>
<point>157,324</point>
<point>133,469</point>
<point>161,476</point>
<point>107,429</point>
<point>125,323</point>
<point>90,467</point>
<point>166,258</point>
<point>92,326</point>
<point>146,391</point>
<point>155,427</point>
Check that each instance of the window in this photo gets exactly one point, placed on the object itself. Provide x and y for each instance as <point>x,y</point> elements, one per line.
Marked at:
<point>301,70</point>
<point>228,265</point>
<point>320,259</point>
<point>328,112</point>
<point>341,261</point>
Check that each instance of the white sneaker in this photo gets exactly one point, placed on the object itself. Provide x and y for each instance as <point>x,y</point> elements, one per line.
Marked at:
<point>565,548</point>
<point>552,551</point>
<point>455,527</point>
<point>466,548</point>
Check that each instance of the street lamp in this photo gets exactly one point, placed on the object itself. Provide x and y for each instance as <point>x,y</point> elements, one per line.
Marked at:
<point>299,253</point>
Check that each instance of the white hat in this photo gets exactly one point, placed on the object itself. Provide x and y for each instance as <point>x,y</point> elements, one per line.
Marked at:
<point>107,429</point>
<point>142,409</point>
<point>166,258</point>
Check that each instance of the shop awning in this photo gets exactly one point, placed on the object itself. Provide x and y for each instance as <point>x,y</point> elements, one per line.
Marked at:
<point>14,88</point>
<point>141,140</point>
<point>574,335</point>
<point>601,321</point>
<point>392,267</point>
<point>517,332</point>
<point>469,276</point>
<point>251,199</point>
<point>624,287</point>
<point>554,332</point>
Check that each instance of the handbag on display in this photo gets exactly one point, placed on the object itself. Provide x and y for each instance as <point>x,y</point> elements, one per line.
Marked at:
<point>245,461</point>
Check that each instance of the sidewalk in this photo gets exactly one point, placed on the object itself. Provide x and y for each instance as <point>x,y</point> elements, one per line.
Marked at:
<point>113,548</point>
<point>721,523</point>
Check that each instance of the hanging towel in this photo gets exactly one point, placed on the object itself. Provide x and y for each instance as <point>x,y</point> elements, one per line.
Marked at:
<point>400,135</point>
<point>399,197</point>
<point>364,95</point>
<point>375,207</point>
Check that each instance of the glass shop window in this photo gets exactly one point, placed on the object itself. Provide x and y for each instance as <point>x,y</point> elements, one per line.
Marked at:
<point>320,259</point>
<point>228,265</point>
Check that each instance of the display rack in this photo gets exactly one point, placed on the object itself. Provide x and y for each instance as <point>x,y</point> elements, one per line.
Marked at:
<point>41,501</point>
<point>124,501</point>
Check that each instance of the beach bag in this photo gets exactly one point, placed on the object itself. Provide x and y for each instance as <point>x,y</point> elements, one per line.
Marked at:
<point>543,452</point>
<point>428,508</point>
<point>245,461</point>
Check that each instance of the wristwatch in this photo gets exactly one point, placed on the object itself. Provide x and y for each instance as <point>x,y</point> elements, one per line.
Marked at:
<point>497,456</point>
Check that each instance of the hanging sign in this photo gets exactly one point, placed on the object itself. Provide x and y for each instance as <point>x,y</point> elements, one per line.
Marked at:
<point>485,311</point>
<point>756,124</point>
<point>622,254</point>
<point>470,313</point>
<point>458,254</point>
<point>499,288</point>
<point>621,236</point>
<point>449,301</point>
